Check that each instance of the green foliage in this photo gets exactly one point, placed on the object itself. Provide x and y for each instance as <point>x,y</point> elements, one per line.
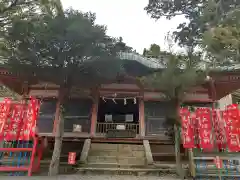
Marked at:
<point>223,40</point>
<point>212,24</point>
<point>153,51</point>
<point>181,73</point>
<point>121,46</point>
<point>25,9</point>
<point>68,49</point>
<point>145,52</point>
<point>186,33</point>
<point>224,44</point>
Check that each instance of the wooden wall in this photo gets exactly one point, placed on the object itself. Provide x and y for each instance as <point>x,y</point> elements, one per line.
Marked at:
<point>77,111</point>
<point>156,113</point>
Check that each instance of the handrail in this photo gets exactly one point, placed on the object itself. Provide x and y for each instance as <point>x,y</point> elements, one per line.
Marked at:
<point>103,127</point>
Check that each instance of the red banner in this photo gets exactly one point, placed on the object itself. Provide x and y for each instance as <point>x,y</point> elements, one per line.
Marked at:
<point>231,118</point>
<point>14,126</point>
<point>4,114</point>
<point>205,128</point>
<point>29,120</point>
<point>187,129</point>
<point>219,130</point>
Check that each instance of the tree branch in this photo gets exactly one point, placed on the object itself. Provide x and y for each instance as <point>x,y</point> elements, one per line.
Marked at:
<point>175,14</point>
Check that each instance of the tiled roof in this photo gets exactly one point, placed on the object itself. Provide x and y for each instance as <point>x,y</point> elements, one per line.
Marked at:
<point>153,63</point>
<point>158,63</point>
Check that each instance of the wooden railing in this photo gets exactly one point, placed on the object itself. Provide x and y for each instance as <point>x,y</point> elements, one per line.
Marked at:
<point>83,121</point>
<point>103,127</point>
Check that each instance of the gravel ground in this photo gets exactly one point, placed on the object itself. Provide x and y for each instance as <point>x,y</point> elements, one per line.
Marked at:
<point>90,177</point>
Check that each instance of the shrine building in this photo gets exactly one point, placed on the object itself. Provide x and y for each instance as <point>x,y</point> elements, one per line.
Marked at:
<point>119,115</point>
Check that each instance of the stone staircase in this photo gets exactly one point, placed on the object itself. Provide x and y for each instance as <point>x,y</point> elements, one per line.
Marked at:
<point>116,155</point>
<point>121,159</point>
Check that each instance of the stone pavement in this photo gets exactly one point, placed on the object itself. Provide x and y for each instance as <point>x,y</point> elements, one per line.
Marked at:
<point>91,177</point>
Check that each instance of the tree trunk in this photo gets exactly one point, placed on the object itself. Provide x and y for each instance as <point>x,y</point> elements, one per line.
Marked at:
<point>179,168</point>
<point>55,162</point>
<point>177,141</point>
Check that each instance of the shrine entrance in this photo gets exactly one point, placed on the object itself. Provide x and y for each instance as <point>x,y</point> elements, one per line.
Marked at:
<point>118,117</point>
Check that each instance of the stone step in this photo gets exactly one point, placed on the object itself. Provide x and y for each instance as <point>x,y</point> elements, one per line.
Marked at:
<point>140,154</point>
<point>62,170</point>
<point>131,161</point>
<point>102,153</point>
<point>103,146</point>
<point>112,165</point>
<point>119,147</point>
<point>101,165</point>
<point>119,160</point>
<point>102,159</point>
<point>130,147</point>
<point>126,171</point>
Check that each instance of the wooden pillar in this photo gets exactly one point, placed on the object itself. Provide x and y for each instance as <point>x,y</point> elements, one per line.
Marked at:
<point>94,114</point>
<point>191,163</point>
<point>141,117</point>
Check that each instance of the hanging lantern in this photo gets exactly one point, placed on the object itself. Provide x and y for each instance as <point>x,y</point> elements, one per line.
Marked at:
<point>125,101</point>
<point>135,101</point>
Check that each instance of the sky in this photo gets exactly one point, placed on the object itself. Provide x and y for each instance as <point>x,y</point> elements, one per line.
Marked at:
<point>127,18</point>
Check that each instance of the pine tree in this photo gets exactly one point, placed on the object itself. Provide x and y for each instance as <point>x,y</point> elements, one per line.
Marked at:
<point>68,50</point>
<point>181,72</point>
